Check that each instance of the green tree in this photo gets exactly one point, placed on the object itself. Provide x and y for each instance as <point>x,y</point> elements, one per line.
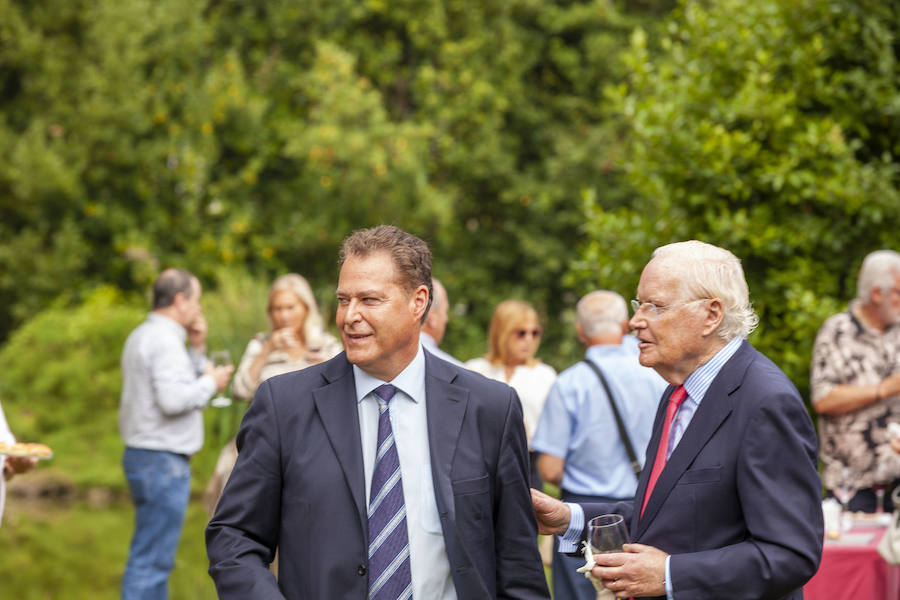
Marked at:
<point>768,128</point>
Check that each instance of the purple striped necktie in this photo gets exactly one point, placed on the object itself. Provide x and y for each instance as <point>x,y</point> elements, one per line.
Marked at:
<point>390,577</point>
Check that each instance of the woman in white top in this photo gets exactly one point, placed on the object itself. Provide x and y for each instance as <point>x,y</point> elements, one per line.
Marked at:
<point>11,465</point>
<point>513,340</point>
<point>297,340</point>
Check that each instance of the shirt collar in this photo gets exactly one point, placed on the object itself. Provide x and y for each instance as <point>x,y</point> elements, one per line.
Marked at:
<point>427,340</point>
<point>410,381</point>
<point>600,350</point>
<point>168,323</point>
<point>699,381</point>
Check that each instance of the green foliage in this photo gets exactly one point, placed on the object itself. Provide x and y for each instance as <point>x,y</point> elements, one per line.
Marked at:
<point>78,552</point>
<point>139,135</point>
<point>768,128</point>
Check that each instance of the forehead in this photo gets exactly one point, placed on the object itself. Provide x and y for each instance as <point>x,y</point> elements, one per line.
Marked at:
<point>285,297</point>
<point>658,282</point>
<point>372,271</point>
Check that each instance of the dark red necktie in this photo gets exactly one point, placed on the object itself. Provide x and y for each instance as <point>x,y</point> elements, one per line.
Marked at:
<point>675,401</point>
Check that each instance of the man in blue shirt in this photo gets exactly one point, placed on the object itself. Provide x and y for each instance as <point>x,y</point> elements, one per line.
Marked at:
<point>577,436</point>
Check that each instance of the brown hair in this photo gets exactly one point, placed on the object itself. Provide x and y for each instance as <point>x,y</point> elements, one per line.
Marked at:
<point>410,255</point>
<point>507,315</point>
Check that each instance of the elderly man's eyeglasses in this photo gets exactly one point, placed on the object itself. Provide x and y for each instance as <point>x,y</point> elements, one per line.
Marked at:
<point>654,310</point>
<point>521,333</point>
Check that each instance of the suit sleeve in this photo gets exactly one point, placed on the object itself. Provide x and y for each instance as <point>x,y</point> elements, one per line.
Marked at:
<point>519,569</point>
<point>242,536</point>
<point>780,496</point>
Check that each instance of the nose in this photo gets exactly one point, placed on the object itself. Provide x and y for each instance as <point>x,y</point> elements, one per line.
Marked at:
<point>637,321</point>
<point>351,311</point>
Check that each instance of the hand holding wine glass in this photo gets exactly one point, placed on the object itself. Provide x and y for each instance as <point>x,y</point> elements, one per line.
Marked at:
<point>222,370</point>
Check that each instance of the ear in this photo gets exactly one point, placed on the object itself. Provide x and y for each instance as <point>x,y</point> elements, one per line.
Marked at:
<point>419,302</point>
<point>580,333</point>
<point>715,314</point>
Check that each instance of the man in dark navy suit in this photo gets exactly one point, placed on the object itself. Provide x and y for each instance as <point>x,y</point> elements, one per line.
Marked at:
<point>728,503</point>
<point>384,472</point>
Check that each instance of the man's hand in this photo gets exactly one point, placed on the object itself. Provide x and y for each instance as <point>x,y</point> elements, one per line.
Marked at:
<point>16,465</point>
<point>197,333</point>
<point>552,514</point>
<point>638,571</point>
<point>221,375</point>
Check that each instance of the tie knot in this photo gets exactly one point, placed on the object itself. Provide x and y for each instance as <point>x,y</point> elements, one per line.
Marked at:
<point>678,396</point>
<point>385,392</point>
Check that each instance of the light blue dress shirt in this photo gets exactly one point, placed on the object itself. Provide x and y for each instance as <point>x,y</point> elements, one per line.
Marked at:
<point>578,425</point>
<point>431,345</point>
<point>429,563</point>
<point>696,386</point>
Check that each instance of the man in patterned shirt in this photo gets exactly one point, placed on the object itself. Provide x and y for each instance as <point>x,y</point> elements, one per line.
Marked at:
<point>855,385</point>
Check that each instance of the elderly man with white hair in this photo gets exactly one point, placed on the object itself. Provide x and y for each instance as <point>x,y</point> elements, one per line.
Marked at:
<point>435,324</point>
<point>583,449</point>
<point>729,504</point>
<point>855,385</point>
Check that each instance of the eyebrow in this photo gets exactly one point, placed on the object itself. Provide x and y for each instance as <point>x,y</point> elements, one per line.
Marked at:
<point>371,292</point>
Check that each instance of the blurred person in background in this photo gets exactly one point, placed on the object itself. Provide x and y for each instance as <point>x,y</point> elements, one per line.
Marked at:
<point>513,339</point>
<point>855,386</point>
<point>435,324</point>
<point>12,465</point>
<point>165,388</point>
<point>297,340</point>
<point>580,446</point>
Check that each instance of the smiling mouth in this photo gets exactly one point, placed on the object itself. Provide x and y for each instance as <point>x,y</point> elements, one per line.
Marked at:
<point>357,336</point>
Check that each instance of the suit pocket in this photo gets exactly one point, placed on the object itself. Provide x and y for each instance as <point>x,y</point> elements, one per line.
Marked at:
<point>465,487</point>
<point>707,475</point>
<point>473,504</point>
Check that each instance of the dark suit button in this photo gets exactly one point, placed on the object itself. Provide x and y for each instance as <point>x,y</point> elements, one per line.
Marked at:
<point>361,570</point>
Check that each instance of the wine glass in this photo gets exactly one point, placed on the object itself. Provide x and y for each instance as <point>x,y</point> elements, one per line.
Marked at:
<point>879,487</point>
<point>845,488</point>
<point>220,358</point>
<point>607,533</point>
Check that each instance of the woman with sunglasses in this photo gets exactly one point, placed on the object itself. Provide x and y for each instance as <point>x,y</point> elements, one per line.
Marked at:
<point>513,340</point>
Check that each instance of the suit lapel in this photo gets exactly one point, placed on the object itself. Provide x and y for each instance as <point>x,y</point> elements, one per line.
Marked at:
<point>337,407</point>
<point>712,412</point>
<point>445,408</point>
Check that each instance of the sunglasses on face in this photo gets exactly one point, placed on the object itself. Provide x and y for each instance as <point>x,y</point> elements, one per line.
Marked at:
<point>522,333</point>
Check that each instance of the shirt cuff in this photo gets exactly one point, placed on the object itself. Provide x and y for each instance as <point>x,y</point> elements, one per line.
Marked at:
<point>669,593</point>
<point>568,542</point>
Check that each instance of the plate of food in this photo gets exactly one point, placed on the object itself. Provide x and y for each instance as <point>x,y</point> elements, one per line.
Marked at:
<point>26,450</point>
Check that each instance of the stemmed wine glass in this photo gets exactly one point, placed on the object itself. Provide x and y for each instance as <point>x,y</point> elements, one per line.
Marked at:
<point>607,533</point>
<point>879,487</point>
<point>220,358</point>
<point>845,488</point>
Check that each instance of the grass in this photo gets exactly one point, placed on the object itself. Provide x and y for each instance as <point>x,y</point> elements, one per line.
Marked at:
<point>78,552</point>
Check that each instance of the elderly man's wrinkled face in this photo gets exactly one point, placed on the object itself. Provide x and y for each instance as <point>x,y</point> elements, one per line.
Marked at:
<point>889,309</point>
<point>671,336</point>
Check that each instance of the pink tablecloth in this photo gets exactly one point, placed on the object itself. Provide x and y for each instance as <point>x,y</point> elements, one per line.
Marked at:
<point>852,569</point>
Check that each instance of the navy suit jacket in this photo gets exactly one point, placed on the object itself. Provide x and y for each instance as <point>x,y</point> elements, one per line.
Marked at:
<point>738,504</point>
<point>299,485</point>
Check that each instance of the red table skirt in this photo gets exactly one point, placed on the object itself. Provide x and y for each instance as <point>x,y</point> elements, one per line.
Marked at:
<point>854,572</point>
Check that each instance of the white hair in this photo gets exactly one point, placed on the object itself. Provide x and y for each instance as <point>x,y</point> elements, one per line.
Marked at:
<point>601,312</point>
<point>707,271</point>
<point>878,270</point>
